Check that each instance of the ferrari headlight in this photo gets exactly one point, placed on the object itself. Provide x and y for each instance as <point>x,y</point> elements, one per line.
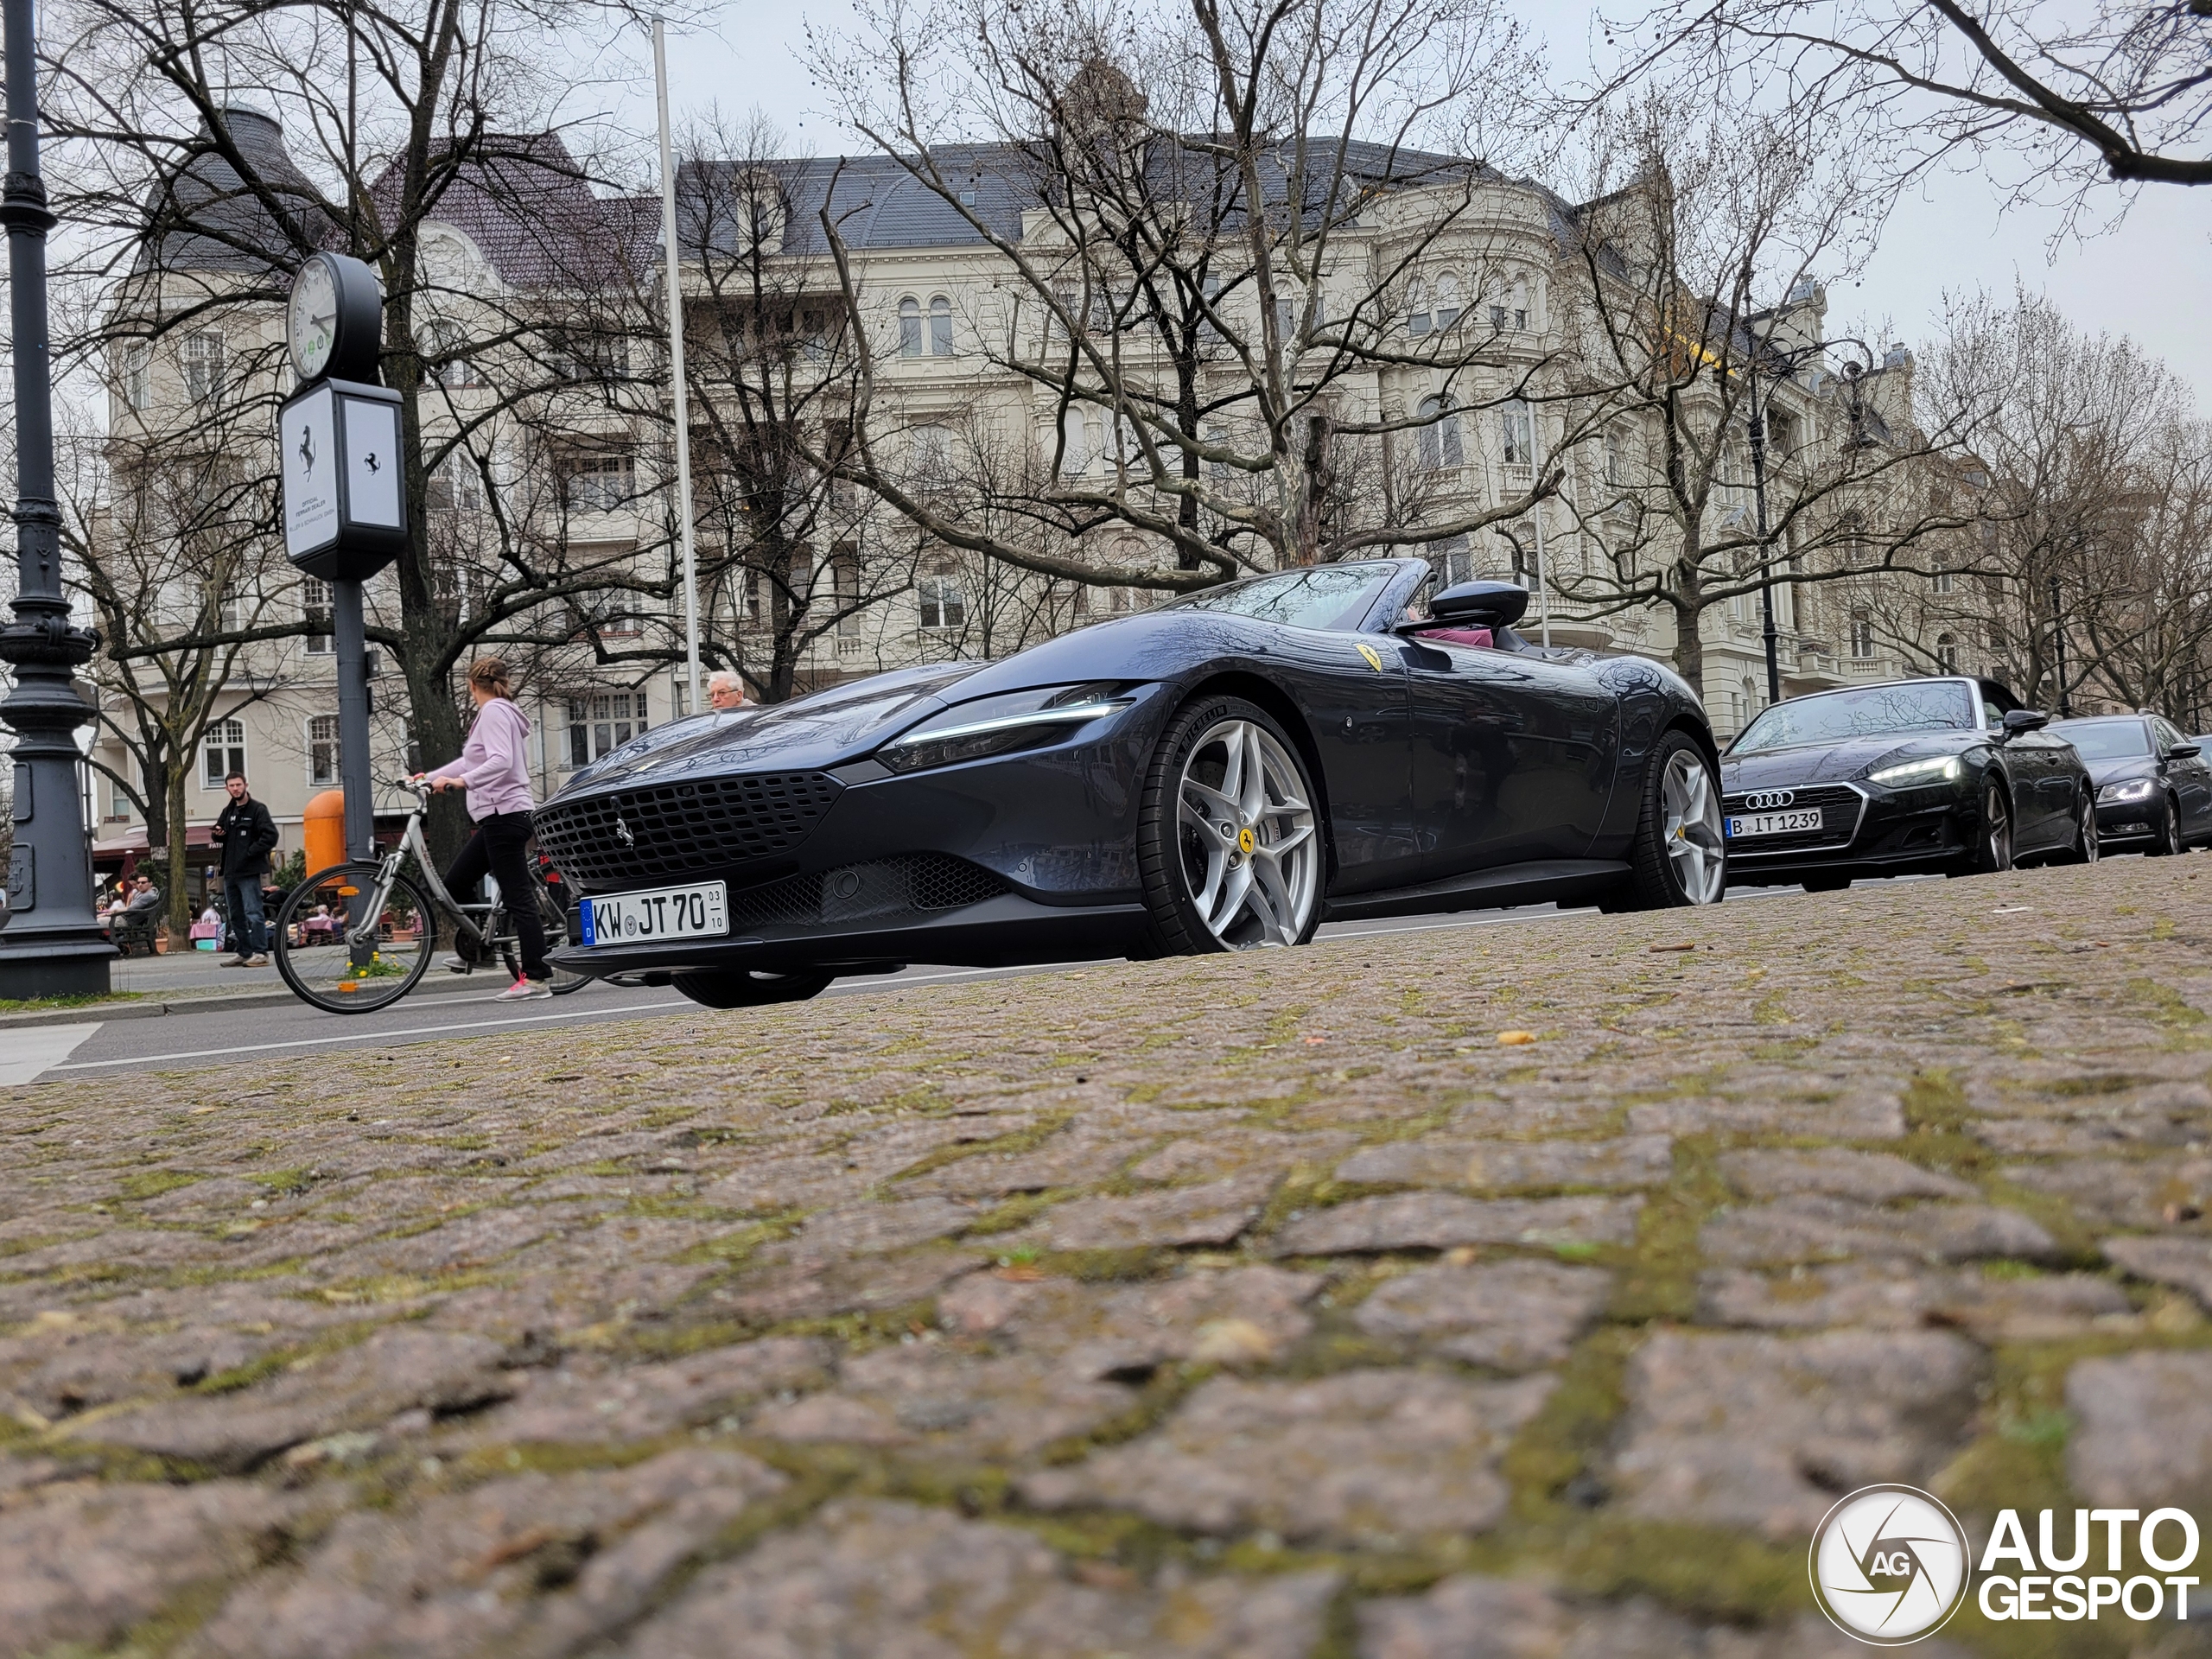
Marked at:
<point>1912,774</point>
<point>2135,789</point>
<point>1000,726</point>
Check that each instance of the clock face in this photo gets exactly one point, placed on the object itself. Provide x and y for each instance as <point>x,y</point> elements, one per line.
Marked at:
<point>313,319</point>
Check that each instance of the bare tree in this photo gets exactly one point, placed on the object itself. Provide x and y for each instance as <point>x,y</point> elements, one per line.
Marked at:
<point>2079,93</point>
<point>1207,228</point>
<point>197,207</point>
<point>1693,277</point>
<point>2077,457</point>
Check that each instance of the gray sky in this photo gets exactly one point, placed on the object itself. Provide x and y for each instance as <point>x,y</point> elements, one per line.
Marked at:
<point>2150,278</point>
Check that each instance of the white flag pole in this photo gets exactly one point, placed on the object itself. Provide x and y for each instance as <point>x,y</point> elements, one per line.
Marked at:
<point>674,289</point>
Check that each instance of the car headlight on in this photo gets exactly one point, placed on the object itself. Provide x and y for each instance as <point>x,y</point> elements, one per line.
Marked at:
<point>1001,726</point>
<point>1912,774</point>
<point>2135,789</point>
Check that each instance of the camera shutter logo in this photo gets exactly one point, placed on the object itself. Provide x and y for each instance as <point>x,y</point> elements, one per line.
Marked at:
<point>1889,1564</point>
<point>1769,800</point>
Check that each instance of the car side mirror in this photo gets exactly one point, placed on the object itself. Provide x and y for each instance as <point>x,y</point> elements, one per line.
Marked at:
<point>2024,720</point>
<point>1474,604</point>
<point>2185,752</point>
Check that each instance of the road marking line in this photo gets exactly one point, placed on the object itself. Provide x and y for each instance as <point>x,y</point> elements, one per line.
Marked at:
<point>367,1036</point>
<point>27,1051</point>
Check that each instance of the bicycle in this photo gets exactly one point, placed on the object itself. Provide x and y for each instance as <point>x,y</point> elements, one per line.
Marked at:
<point>357,936</point>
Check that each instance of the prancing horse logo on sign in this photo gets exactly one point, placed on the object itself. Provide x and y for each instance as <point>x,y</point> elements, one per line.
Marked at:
<point>622,832</point>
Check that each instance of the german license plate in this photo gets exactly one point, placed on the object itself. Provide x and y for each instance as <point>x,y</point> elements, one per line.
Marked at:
<point>1774,823</point>
<point>663,913</point>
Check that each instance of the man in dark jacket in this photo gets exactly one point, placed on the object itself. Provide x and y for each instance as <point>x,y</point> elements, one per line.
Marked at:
<point>246,835</point>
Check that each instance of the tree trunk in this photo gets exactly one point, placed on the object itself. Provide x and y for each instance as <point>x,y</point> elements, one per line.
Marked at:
<point>1688,601</point>
<point>179,905</point>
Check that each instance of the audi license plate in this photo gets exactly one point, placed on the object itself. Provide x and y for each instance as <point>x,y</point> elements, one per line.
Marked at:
<point>1774,823</point>
<point>664,913</point>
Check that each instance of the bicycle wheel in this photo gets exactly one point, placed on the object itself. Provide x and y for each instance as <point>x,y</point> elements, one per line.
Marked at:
<point>320,965</point>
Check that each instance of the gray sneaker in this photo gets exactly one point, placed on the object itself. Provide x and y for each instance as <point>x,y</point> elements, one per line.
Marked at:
<point>255,962</point>
<point>525,990</point>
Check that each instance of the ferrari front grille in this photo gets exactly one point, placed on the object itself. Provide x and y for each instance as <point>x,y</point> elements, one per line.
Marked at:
<point>635,836</point>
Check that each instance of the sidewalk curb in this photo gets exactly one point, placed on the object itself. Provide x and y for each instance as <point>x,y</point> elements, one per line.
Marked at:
<point>152,1008</point>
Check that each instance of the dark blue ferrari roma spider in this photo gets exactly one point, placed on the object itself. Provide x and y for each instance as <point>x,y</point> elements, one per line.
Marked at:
<point>1218,774</point>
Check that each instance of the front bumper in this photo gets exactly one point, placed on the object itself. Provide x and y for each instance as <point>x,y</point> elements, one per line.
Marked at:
<point>1898,832</point>
<point>2130,821</point>
<point>1019,858</point>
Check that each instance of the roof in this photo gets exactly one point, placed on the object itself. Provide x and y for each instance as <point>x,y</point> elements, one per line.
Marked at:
<point>203,216</point>
<point>524,200</point>
<point>877,203</point>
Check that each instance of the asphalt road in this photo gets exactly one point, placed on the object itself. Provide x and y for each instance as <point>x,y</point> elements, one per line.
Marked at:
<point>99,1048</point>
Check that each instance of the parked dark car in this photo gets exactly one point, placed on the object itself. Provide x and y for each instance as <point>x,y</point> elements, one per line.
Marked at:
<point>1947,774</point>
<point>2154,786</point>
<point>1217,774</point>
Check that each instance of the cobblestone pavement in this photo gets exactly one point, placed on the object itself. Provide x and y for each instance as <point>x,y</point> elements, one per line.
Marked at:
<point>1255,1307</point>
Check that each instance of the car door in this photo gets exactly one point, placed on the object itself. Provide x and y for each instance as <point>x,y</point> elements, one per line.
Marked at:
<point>1513,756</point>
<point>2190,776</point>
<point>1351,690</point>
<point>2043,790</point>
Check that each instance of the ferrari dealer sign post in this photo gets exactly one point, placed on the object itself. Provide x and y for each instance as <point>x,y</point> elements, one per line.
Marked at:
<point>345,506</point>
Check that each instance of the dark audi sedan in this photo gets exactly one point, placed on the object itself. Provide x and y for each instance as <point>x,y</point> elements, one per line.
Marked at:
<point>2154,788</point>
<point>1949,774</point>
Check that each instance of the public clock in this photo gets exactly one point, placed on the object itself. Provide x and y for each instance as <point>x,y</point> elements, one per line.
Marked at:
<point>334,320</point>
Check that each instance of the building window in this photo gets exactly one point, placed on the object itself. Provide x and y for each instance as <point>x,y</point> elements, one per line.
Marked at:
<point>203,364</point>
<point>1947,653</point>
<point>932,453</point>
<point>1440,437</point>
<point>1853,533</point>
<point>1616,460</point>
<point>1452,560</point>
<point>1418,317</point>
<point>1780,433</point>
<point>845,584</point>
<point>601,722</point>
<point>909,327</point>
<point>601,482</point>
<point>610,611</point>
<point>446,347</point>
<point>942,604</point>
<point>940,326</point>
<point>1516,431</point>
<point>315,611</point>
<point>323,768</point>
<point>1862,635</point>
<point>138,376</point>
<point>1942,577</point>
<point>222,752</point>
<point>457,485</point>
<point>1447,301</point>
<point>230,612</point>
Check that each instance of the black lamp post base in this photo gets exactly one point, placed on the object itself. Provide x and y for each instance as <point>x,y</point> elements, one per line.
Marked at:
<point>78,968</point>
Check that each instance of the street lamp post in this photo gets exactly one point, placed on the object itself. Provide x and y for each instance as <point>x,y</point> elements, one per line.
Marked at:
<point>1766,567</point>
<point>53,945</point>
<point>2058,647</point>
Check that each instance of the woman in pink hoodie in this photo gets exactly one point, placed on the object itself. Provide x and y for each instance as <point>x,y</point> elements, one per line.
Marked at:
<point>494,771</point>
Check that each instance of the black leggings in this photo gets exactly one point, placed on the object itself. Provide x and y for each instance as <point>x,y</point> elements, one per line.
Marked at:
<point>500,845</point>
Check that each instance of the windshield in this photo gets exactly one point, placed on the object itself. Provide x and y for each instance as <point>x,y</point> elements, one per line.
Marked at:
<point>1326,596</point>
<point>1838,716</point>
<point>2115,740</point>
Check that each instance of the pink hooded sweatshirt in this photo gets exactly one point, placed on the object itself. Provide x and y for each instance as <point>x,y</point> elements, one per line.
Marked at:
<point>493,761</point>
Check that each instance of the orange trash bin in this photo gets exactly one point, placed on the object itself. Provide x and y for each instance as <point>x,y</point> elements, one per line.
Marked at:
<point>324,826</point>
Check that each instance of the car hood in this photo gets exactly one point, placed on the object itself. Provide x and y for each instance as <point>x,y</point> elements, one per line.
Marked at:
<point>1836,763</point>
<point>820,730</point>
<point>2118,771</point>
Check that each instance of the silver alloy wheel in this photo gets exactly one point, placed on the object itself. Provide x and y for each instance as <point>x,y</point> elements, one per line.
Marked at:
<point>1996,830</point>
<point>1690,819</point>
<point>1251,860</point>
<point>2089,849</point>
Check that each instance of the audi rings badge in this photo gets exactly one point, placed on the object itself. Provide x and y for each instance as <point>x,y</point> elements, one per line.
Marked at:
<point>1768,800</point>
